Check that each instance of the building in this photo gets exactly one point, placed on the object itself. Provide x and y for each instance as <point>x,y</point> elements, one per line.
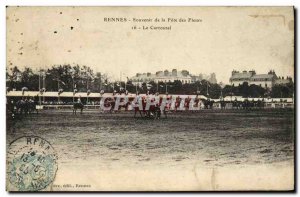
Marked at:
<point>264,80</point>
<point>210,78</point>
<point>237,78</point>
<point>162,76</point>
<point>283,81</point>
<point>170,76</point>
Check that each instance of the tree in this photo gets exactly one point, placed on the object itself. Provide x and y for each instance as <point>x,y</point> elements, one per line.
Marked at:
<point>14,77</point>
<point>30,79</point>
<point>215,91</point>
<point>54,78</point>
<point>243,89</point>
<point>177,87</point>
<point>282,90</point>
<point>256,91</point>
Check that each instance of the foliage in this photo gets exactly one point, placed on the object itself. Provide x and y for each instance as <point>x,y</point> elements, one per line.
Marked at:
<point>83,78</point>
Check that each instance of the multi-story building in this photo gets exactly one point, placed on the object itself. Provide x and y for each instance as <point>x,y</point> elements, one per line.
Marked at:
<point>162,76</point>
<point>210,78</point>
<point>264,80</point>
<point>237,78</point>
<point>283,81</point>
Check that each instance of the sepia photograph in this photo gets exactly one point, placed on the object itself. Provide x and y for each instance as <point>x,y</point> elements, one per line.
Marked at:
<point>150,99</point>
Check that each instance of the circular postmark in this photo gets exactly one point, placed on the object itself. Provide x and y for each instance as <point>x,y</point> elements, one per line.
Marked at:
<point>31,164</point>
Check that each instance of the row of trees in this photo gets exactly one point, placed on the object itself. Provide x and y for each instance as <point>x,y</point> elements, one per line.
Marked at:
<point>83,79</point>
<point>57,77</point>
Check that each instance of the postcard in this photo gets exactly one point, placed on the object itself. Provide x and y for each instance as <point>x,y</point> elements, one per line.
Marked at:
<point>150,99</point>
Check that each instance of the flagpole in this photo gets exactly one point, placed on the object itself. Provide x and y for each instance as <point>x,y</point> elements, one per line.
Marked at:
<point>58,90</point>
<point>87,89</point>
<point>40,87</point>
<point>73,86</point>
<point>100,81</point>
<point>166,88</point>
<point>44,85</point>
<point>136,87</point>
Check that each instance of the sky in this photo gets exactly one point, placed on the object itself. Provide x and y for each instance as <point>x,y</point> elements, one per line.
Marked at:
<point>226,39</point>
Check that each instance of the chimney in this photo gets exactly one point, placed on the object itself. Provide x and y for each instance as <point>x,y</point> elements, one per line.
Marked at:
<point>158,73</point>
<point>166,72</point>
<point>271,72</point>
<point>185,73</point>
<point>233,72</point>
<point>252,72</point>
<point>174,72</point>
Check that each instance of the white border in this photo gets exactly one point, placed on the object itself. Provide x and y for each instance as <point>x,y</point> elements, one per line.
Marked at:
<point>3,3</point>
<point>152,2</point>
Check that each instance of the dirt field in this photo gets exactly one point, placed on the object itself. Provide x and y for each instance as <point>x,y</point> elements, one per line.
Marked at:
<point>214,138</point>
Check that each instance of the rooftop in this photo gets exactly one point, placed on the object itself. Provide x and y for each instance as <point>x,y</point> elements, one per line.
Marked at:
<point>263,76</point>
<point>162,74</point>
<point>242,75</point>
